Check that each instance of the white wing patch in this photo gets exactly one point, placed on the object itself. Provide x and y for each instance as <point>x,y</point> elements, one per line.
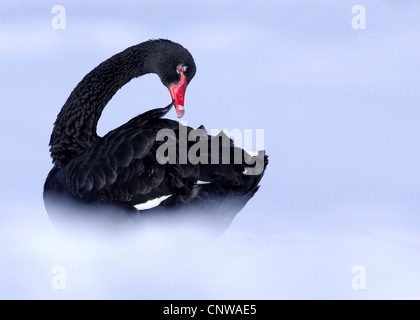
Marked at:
<point>202,182</point>
<point>151,203</point>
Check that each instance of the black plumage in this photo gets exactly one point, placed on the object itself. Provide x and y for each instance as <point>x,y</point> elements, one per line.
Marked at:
<point>102,179</point>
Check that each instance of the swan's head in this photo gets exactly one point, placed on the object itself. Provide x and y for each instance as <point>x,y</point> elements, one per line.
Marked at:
<point>176,68</point>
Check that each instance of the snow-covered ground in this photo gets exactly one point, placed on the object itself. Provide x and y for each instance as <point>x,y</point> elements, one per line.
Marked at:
<point>337,215</point>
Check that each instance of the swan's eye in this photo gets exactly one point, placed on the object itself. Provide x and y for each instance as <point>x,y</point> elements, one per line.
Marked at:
<point>180,69</point>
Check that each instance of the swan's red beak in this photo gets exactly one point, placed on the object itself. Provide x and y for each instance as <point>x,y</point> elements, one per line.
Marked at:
<point>177,93</point>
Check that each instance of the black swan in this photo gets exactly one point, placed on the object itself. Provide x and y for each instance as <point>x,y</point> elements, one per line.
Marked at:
<point>103,180</point>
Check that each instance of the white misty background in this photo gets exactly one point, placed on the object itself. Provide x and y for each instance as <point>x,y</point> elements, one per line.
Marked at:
<point>339,109</point>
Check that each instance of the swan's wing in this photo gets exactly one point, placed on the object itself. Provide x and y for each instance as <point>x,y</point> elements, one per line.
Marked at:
<point>122,167</point>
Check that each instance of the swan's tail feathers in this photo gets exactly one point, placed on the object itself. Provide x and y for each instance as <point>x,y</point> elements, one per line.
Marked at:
<point>212,204</point>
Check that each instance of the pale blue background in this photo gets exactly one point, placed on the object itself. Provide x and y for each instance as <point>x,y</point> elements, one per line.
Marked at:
<point>340,110</point>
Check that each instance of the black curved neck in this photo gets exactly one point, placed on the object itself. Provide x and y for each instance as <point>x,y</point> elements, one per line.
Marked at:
<point>75,127</point>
